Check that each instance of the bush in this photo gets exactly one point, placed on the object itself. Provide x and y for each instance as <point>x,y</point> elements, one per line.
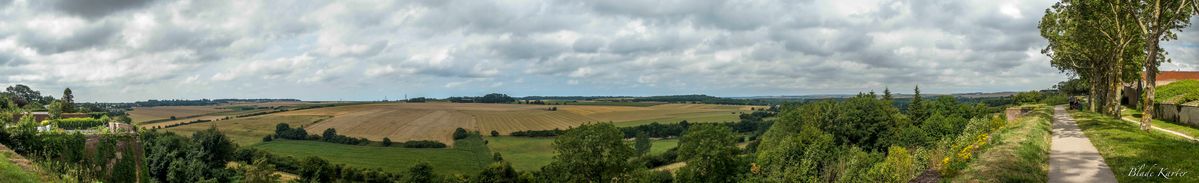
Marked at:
<point>267,138</point>
<point>537,133</point>
<point>424,144</point>
<point>460,133</point>
<point>495,133</point>
<point>386,141</point>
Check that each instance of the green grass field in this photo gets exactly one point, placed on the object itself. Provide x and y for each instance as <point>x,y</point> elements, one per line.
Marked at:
<point>530,154</point>
<point>468,157</point>
<point>1125,146</point>
<point>10,172</point>
<point>1019,152</point>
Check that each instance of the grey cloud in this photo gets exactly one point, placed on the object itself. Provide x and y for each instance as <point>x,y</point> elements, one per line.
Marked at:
<point>98,34</point>
<point>97,8</point>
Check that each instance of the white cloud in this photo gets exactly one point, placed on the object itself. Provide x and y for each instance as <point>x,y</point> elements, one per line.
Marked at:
<point>317,49</point>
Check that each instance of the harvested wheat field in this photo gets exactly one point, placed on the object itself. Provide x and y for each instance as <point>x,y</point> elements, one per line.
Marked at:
<point>436,121</point>
<point>142,114</point>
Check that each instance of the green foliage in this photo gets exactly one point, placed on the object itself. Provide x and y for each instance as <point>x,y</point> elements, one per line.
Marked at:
<point>422,172</point>
<point>897,167</point>
<point>916,109</point>
<point>315,169</point>
<point>711,154</point>
<point>590,153</point>
<point>498,172</point>
<point>215,148</point>
<point>1028,97</point>
<point>460,133</point>
<point>1185,91</point>
<point>386,141</point>
<point>642,143</point>
<point>68,101</point>
<point>79,123</point>
<point>785,155</point>
<point>863,121</point>
<point>284,131</point>
<point>55,109</point>
<point>260,172</point>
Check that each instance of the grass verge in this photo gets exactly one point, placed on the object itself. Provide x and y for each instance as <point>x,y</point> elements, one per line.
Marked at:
<point>1020,152</point>
<point>1125,147</point>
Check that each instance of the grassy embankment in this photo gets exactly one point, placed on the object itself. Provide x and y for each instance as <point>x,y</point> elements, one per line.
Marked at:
<point>530,154</point>
<point>10,172</point>
<point>1125,146</point>
<point>1019,152</point>
<point>467,157</point>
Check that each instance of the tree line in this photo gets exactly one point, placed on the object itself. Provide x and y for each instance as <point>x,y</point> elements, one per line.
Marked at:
<point>285,131</point>
<point>1107,44</point>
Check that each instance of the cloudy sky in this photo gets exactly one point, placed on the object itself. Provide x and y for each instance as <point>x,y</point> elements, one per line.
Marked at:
<point>125,50</point>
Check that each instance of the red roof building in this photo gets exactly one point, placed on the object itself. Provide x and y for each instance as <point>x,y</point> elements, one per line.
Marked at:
<point>1167,77</point>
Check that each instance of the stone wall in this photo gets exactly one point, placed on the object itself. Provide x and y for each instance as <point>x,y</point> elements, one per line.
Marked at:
<point>1184,114</point>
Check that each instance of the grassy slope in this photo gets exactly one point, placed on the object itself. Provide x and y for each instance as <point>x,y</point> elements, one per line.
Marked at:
<point>10,172</point>
<point>528,154</point>
<point>467,158</point>
<point>1019,152</point>
<point>1180,128</point>
<point>1188,89</point>
<point>1124,146</point>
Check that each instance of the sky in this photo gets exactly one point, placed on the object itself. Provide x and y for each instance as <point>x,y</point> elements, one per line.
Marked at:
<point>131,50</point>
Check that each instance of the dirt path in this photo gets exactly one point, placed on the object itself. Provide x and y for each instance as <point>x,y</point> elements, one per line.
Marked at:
<point>1138,123</point>
<point>1072,157</point>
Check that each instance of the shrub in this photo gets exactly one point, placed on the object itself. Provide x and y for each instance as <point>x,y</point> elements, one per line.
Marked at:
<point>495,133</point>
<point>460,133</point>
<point>267,138</point>
<point>386,141</point>
<point>424,144</point>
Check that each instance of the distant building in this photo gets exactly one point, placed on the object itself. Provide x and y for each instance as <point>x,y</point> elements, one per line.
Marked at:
<point>1167,77</point>
<point>120,127</point>
<point>1132,94</point>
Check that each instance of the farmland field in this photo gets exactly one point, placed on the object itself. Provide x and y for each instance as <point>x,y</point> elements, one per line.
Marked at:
<point>248,131</point>
<point>529,154</point>
<point>142,114</point>
<point>468,157</point>
<point>437,121</point>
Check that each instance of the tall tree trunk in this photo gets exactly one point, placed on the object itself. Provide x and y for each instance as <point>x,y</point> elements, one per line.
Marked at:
<point>1150,77</point>
<point>1092,98</point>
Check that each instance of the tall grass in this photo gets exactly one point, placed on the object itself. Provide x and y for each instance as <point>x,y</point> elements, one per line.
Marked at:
<point>1019,152</point>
